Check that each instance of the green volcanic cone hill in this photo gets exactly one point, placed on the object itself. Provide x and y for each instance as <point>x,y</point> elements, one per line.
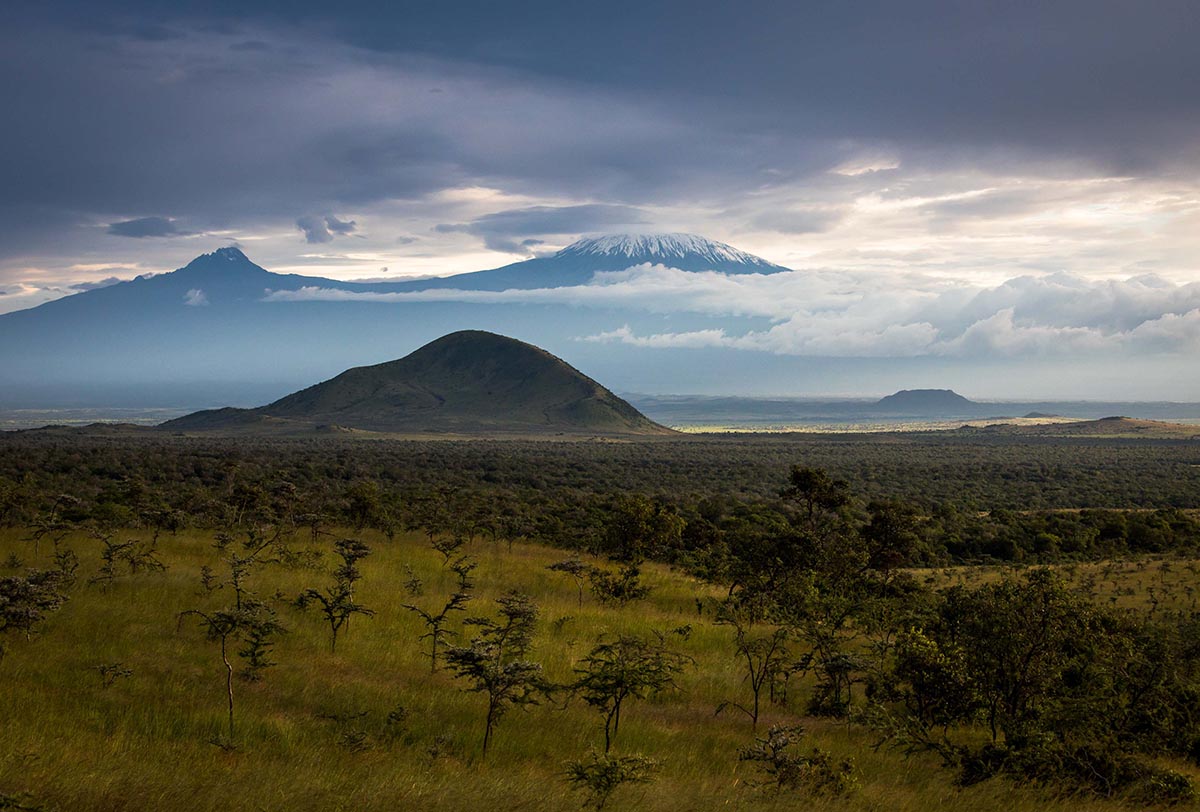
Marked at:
<point>469,382</point>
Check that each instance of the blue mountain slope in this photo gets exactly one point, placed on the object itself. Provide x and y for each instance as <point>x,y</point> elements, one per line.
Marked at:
<point>227,276</point>
<point>208,324</point>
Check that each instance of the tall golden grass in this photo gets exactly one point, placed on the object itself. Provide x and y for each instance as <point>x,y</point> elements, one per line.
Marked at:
<point>313,734</point>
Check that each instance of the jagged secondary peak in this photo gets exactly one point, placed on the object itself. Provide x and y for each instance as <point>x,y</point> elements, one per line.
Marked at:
<point>664,248</point>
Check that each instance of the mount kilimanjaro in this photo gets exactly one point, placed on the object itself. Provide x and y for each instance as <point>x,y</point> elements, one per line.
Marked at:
<point>228,276</point>
<point>217,331</point>
<point>579,262</point>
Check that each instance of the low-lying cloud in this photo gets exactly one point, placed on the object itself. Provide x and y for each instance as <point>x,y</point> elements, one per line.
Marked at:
<point>842,314</point>
<point>195,298</point>
<point>107,282</point>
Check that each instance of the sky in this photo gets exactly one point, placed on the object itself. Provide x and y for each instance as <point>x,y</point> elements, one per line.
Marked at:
<point>901,153</point>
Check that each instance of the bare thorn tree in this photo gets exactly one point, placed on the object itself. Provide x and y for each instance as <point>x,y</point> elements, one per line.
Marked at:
<point>221,627</point>
<point>52,524</point>
<point>765,653</point>
<point>435,620</point>
<point>337,602</point>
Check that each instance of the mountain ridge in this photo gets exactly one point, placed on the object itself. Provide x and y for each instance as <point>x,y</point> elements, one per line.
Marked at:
<point>233,275</point>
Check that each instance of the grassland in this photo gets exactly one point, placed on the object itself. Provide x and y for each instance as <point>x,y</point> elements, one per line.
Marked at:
<point>314,733</point>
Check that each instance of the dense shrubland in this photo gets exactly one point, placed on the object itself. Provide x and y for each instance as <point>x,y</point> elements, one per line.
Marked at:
<point>986,499</point>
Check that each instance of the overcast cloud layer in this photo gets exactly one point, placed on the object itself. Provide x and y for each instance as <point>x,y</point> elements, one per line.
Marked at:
<point>838,314</point>
<point>946,178</point>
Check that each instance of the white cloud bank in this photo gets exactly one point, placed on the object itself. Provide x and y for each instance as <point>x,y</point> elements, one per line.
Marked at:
<point>843,314</point>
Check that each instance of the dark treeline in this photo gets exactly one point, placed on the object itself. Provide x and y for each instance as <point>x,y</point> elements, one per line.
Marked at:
<point>973,472</point>
<point>968,502</point>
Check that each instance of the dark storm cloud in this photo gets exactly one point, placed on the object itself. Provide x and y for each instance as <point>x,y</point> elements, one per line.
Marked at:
<point>322,229</point>
<point>25,228</point>
<point>230,114</point>
<point>147,227</point>
<point>250,45</point>
<point>314,229</point>
<point>502,231</point>
<point>339,226</point>
<point>118,123</point>
<point>1109,79</point>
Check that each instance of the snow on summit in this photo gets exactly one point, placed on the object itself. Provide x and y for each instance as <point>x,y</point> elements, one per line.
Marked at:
<point>666,249</point>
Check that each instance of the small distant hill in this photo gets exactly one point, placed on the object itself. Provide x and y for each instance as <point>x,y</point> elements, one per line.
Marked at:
<point>927,402</point>
<point>470,382</point>
<point>1112,427</point>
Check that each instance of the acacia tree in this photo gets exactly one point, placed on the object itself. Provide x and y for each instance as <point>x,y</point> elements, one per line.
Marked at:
<point>891,536</point>
<point>635,527</point>
<point>337,602</point>
<point>53,524</point>
<point>254,625</point>
<point>26,600</point>
<point>627,667</point>
<point>435,620</point>
<point>821,613</point>
<point>249,621</point>
<point>762,646</point>
<point>621,587</point>
<point>260,630</point>
<point>220,627</point>
<point>129,556</point>
<point>577,569</point>
<point>258,542</point>
<point>494,663</point>
<point>600,775</point>
<point>781,768</point>
<point>815,492</point>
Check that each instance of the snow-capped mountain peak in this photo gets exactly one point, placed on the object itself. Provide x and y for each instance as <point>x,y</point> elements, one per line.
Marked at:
<point>667,249</point>
<point>229,254</point>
